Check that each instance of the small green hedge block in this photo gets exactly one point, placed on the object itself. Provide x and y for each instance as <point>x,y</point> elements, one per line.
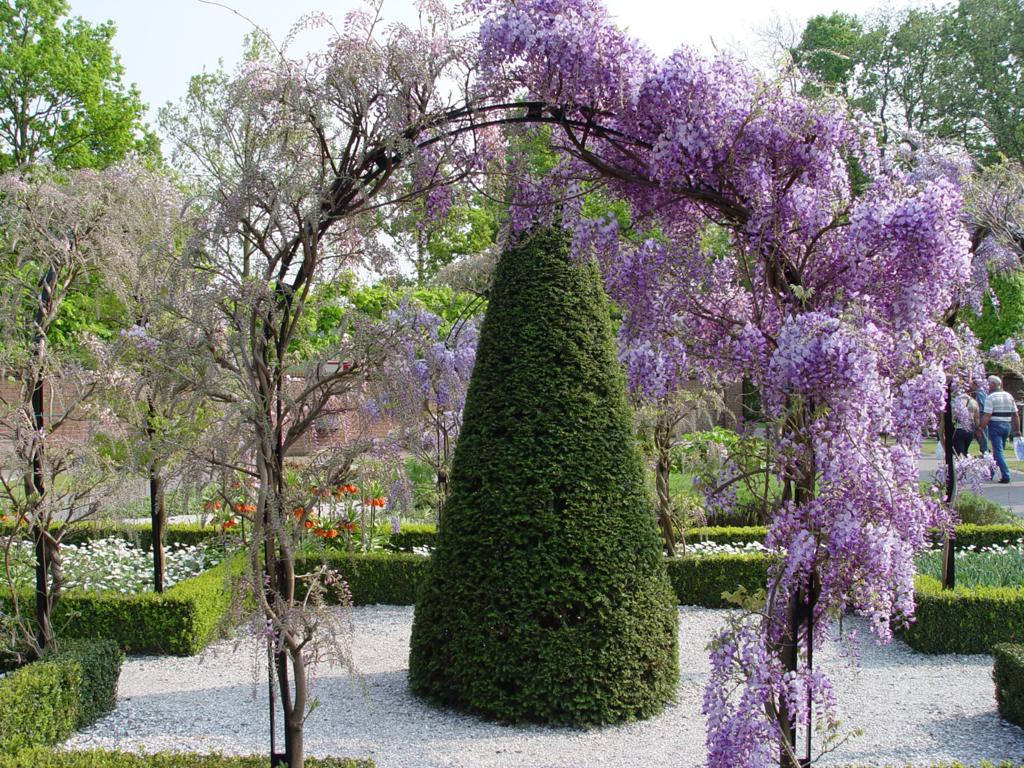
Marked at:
<point>702,580</point>
<point>413,535</point>
<point>979,536</point>
<point>965,620</point>
<point>391,579</point>
<point>745,534</point>
<point>48,758</point>
<point>179,533</point>
<point>181,621</point>
<point>1008,673</point>
<point>44,702</point>
<point>99,662</point>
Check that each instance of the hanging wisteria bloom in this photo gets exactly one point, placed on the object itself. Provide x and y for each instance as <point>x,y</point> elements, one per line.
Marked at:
<point>420,397</point>
<point>829,295</point>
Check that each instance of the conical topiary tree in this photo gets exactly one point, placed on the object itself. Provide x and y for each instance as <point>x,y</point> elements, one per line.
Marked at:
<point>547,599</point>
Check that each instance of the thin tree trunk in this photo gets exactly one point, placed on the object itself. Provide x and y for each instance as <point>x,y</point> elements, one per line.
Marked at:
<point>662,473</point>
<point>46,548</point>
<point>799,615</point>
<point>295,712</point>
<point>948,426</point>
<point>157,516</point>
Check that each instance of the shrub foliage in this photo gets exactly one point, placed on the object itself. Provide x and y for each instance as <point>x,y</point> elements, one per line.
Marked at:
<point>547,599</point>
<point>1008,672</point>
<point>44,702</point>
<point>46,758</point>
<point>965,619</point>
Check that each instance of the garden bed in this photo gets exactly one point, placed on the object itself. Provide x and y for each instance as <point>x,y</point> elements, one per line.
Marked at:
<point>181,621</point>
<point>915,709</point>
<point>43,758</point>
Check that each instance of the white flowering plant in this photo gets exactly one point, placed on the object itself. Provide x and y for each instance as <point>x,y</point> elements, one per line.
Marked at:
<point>113,564</point>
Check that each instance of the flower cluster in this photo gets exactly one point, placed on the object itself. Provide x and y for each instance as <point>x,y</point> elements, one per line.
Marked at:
<point>771,264</point>
<point>117,565</point>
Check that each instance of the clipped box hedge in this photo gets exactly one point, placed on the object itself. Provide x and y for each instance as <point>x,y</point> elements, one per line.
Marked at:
<point>178,533</point>
<point>393,579</point>
<point>385,578</point>
<point>48,758</point>
<point>425,535</point>
<point>965,619</point>
<point>702,580</point>
<point>181,621</point>
<point>1008,673</point>
<point>44,702</point>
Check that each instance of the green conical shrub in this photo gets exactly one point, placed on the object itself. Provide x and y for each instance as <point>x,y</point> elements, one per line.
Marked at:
<point>547,598</point>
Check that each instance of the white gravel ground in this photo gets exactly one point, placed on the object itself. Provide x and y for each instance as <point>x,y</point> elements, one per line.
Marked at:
<point>912,707</point>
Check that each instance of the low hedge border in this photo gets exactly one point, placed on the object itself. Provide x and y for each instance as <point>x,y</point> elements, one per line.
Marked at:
<point>384,578</point>
<point>393,579</point>
<point>48,758</point>
<point>965,619</point>
<point>1008,673</point>
<point>966,535</point>
<point>44,702</point>
<point>414,535</point>
<point>181,621</point>
<point>179,533</point>
<point>701,581</point>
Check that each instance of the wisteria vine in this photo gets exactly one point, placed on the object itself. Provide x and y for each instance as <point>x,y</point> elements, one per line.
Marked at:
<point>829,297</point>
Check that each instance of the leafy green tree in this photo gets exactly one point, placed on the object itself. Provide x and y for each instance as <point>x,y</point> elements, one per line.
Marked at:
<point>829,49</point>
<point>949,73</point>
<point>547,598</point>
<point>1003,318</point>
<point>62,98</point>
<point>984,101</point>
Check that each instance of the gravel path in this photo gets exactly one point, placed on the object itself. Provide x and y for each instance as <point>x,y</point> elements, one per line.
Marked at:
<point>912,707</point>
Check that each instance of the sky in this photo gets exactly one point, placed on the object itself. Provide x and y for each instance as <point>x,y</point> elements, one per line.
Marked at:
<point>163,43</point>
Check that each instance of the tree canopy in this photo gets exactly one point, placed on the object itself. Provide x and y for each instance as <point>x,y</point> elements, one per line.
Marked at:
<point>62,97</point>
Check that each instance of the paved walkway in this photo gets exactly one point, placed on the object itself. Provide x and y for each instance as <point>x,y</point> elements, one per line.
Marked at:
<point>1011,496</point>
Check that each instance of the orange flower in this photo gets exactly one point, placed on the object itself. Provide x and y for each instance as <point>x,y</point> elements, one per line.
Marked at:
<point>349,526</point>
<point>299,512</point>
<point>332,533</point>
<point>211,506</point>
<point>379,501</point>
<point>229,523</point>
<point>351,489</point>
<point>310,524</point>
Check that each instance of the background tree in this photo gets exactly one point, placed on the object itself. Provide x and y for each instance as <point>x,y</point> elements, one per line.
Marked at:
<point>58,231</point>
<point>162,392</point>
<point>62,99</point>
<point>948,73</point>
<point>296,162</point>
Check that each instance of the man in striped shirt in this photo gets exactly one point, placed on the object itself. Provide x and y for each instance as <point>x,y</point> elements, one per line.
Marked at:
<point>1000,416</point>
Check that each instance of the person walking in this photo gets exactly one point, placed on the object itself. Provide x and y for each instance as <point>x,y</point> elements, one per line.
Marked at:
<point>1001,417</point>
<point>980,396</point>
<point>966,418</point>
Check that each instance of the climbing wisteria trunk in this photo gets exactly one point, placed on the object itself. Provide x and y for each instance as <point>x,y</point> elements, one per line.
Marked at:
<point>47,566</point>
<point>949,426</point>
<point>662,472</point>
